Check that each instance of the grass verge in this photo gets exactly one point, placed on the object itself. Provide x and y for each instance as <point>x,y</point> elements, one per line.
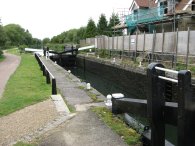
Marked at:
<point>25,87</point>
<point>2,57</point>
<point>130,136</point>
<point>14,51</point>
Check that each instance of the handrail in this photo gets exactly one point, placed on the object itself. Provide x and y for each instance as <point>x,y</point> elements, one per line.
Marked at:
<point>46,67</point>
<point>47,73</point>
<point>166,70</point>
<point>168,79</point>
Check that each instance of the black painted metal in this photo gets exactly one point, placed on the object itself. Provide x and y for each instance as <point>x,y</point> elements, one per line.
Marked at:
<point>159,112</point>
<point>139,108</point>
<point>54,89</point>
<point>47,77</point>
<point>43,67</point>
<point>155,105</point>
<point>186,110</point>
<point>47,74</point>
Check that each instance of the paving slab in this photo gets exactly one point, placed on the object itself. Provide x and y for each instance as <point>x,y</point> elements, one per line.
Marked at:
<point>85,129</point>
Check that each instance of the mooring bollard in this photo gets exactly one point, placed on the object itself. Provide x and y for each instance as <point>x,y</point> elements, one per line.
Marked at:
<point>88,86</point>
<point>108,100</point>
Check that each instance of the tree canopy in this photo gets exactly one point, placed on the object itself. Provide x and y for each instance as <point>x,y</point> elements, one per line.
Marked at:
<point>102,25</point>
<point>114,20</point>
<point>91,29</point>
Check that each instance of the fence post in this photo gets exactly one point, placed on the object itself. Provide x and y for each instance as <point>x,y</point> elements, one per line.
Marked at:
<point>117,43</point>
<point>176,48</point>
<point>153,44</point>
<point>54,90</point>
<point>47,77</point>
<point>144,46</point>
<point>129,44</point>
<point>155,105</point>
<point>187,54</point>
<point>186,110</point>
<point>163,40</point>
<point>123,46</point>
<point>43,67</point>
<point>136,46</point>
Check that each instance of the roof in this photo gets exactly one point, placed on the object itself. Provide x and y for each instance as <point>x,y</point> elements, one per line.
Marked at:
<point>146,3</point>
<point>143,4</point>
<point>183,4</point>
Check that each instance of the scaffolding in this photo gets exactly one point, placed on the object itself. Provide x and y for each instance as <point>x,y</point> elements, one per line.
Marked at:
<point>148,17</point>
<point>145,16</point>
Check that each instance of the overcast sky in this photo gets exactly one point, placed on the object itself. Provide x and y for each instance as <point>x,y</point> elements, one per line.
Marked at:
<point>47,18</point>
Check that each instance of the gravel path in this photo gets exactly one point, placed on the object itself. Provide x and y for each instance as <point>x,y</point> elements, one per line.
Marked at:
<point>25,121</point>
<point>7,68</point>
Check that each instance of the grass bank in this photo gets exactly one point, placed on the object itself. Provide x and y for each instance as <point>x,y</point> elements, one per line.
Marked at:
<point>25,87</point>
<point>2,57</point>
<point>130,136</point>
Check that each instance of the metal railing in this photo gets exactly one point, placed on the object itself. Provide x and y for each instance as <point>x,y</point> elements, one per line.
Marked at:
<point>47,74</point>
<point>145,15</point>
<point>180,114</point>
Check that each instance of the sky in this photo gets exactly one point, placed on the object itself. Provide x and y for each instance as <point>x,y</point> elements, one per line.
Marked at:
<point>48,18</point>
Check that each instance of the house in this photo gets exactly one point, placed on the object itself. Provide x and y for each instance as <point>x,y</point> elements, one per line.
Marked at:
<point>158,15</point>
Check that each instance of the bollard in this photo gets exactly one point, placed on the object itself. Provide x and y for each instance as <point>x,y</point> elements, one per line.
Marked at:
<point>43,69</point>
<point>47,77</point>
<point>88,86</point>
<point>109,100</point>
<point>54,90</point>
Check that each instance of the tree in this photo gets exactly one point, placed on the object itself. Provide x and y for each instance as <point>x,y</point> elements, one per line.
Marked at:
<point>80,34</point>
<point>16,35</point>
<point>46,41</point>
<point>102,25</point>
<point>114,20</point>
<point>2,38</point>
<point>91,30</point>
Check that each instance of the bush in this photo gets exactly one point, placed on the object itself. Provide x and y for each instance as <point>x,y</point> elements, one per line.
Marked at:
<point>22,47</point>
<point>1,52</point>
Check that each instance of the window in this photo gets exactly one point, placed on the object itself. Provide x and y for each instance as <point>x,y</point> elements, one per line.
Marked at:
<point>164,6</point>
<point>193,6</point>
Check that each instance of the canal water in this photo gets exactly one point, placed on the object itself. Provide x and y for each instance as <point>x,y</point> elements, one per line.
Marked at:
<point>105,87</point>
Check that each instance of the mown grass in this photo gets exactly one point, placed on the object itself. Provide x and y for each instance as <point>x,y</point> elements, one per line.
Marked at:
<point>130,136</point>
<point>25,87</point>
<point>14,51</point>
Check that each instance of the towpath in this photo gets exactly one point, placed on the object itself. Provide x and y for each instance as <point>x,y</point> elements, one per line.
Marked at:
<point>7,68</point>
<point>85,128</point>
<point>25,121</point>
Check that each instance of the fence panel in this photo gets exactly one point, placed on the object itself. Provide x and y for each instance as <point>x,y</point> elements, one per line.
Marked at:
<point>169,42</point>
<point>182,42</point>
<point>140,42</point>
<point>148,42</point>
<point>158,43</point>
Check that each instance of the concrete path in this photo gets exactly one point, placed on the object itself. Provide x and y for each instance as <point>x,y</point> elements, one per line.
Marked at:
<point>7,68</point>
<point>85,128</point>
